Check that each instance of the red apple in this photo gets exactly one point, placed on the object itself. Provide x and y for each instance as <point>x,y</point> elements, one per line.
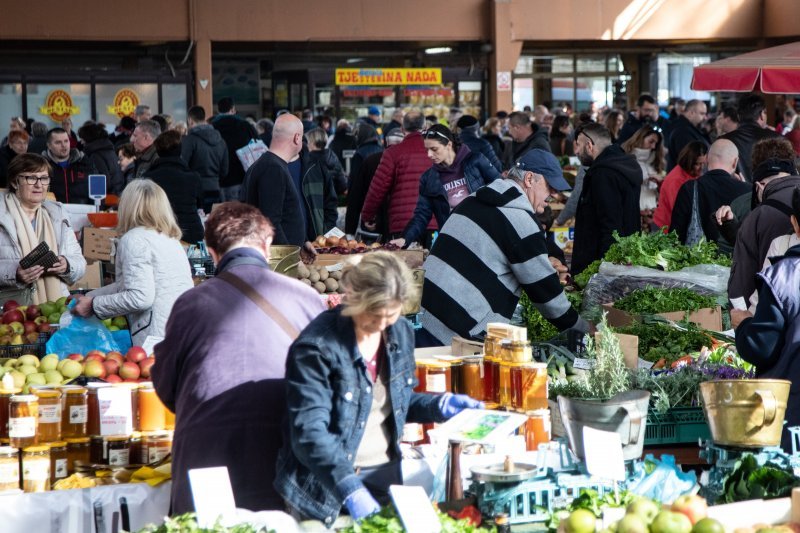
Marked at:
<point>112,366</point>
<point>30,326</point>
<point>32,337</point>
<point>136,354</point>
<point>146,365</point>
<point>692,505</point>
<point>32,312</point>
<point>94,369</point>
<point>113,378</point>
<point>9,305</point>
<point>94,357</point>
<point>115,356</point>
<point>13,315</point>
<point>129,370</point>
<point>96,354</point>
<point>75,357</point>
<point>43,328</point>
<point>41,320</point>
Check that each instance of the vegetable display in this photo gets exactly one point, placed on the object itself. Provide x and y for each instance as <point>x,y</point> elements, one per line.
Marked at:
<point>187,523</point>
<point>749,481</point>
<point>387,521</point>
<point>659,342</point>
<point>654,300</point>
<point>539,329</point>
<point>663,251</point>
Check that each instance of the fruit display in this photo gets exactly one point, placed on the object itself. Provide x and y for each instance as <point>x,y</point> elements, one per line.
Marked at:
<point>343,245</point>
<point>22,324</point>
<point>116,323</point>
<point>320,278</point>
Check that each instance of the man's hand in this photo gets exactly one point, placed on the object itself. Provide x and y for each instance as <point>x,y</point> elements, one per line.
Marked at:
<point>723,214</point>
<point>26,276</point>
<point>60,267</point>
<point>398,242</point>
<point>561,269</point>
<point>307,252</point>
<point>738,315</point>
<point>738,176</point>
<point>83,307</point>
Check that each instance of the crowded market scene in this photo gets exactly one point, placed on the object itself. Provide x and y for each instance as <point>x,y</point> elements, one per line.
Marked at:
<point>356,276</point>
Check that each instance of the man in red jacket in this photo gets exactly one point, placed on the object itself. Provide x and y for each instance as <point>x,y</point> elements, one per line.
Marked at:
<point>397,178</point>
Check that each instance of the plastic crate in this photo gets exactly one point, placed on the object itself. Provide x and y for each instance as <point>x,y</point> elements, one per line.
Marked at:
<point>679,425</point>
<point>14,351</point>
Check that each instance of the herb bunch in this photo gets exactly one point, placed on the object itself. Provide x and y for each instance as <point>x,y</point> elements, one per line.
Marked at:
<point>653,300</point>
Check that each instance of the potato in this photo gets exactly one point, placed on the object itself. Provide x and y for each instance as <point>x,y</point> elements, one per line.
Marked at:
<point>320,241</point>
<point>323,274</point>
<point>331,285</point>
<point>320,287</point>
<point>332,241</point>
<point>336,274</point>
<point>313,276</point>
<point>306,281</point>
<point>302,271</point>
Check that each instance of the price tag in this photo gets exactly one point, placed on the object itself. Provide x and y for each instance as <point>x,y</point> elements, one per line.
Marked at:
<point>415,509</point>
<point>583,364</point>
<point>212,494</point>
<point>335,232</point>
<point>116,416</point>
<point>149,344</point>
<point>603,450</point>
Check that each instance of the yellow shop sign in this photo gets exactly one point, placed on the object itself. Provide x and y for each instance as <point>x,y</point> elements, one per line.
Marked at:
<point>388,76</point>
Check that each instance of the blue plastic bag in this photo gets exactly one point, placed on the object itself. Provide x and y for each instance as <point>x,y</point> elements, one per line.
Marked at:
<point>662,480</point>
<point>85,334</point>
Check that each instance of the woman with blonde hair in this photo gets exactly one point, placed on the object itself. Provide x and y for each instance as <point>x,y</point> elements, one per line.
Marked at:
<point>151,266</point>
<point>350,390</point>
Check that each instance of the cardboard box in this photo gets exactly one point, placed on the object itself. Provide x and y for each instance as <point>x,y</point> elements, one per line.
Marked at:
<point>709,318</point>
<point>460,348</point>
<point>92,278</point>
<point>97,243</point>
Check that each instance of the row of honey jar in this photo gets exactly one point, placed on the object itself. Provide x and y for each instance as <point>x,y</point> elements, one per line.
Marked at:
<point>518,386</point>
<point>38,468</point>
<point>50,414</point>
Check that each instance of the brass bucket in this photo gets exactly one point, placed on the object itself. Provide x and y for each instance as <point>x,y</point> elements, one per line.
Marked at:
<point>745,412</point>
<point>284,259</point>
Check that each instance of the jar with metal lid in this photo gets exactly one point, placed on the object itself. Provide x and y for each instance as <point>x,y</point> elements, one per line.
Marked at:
<point>521,352</point>
<point>137,452</point>
<point>59,462</point>
<point>472,374</point>
<point>36,469</point>
<point>49,415</point>
<point>437,377</point>
<point>489,379</point>
<point>119,450</point>
<point>504,384</point>
<point>5,401</point>
<point>23,418</point>
<point>75,413</point>
<point>9,468</point>
<point>505,351</point>
<point>151,411</point>
<point>158,444</point>
<point>93,408</point>
<point>77,452</point>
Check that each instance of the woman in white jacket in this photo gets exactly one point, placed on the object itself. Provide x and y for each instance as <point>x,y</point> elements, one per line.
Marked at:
<point>151,266</point>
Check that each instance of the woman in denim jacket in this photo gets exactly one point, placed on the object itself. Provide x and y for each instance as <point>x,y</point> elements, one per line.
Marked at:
<point>350,380</point>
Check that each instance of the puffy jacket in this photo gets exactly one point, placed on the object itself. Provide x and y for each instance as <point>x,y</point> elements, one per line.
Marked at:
<point>398,177</point>
<point>70,183</point>
<point>609,202</point>
<point>469,137</point>
<point>236,132</point>
<point>496,143</point>
<point>184,191</point>
<point>329,396</point>
<point>103,156</point>
<point>152,271</point>
<point>11,253</point>
<point>477,171</point>
<point>538,139</point>
<point>206,153</point>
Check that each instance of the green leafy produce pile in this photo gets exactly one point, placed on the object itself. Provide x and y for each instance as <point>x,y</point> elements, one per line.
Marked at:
<point>748,481</point>
<point>659,340</point>
<point>659,250</point>
<point>539,329</point>
<point>388,521</point>
<point>589,499</point>
<point>655,300</point>
<point>187,523</point>
<point>674,388</point>
<point>582,279</point>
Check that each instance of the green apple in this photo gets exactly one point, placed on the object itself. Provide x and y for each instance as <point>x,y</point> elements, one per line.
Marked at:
<point>580,521</point>
<point>53,377</point>
<point>29,359</point>
<point>36,379</point>
<point>671,522</point>
<point>62,302</point>
<point>28,369</point>
<point>120,322</point>
<point>113,328</point>
<point>71,369</point>
<point>54,318</point>
<point>107,322</point>
<point>19,378</point>
<point>631,523</point>
<point>708,525</point>
<point>644,508</point>
<point>48,362</point>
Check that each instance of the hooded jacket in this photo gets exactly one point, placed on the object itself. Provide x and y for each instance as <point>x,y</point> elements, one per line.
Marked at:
<point>745,137</point>
<point>236,132</point>
<point>470,139</point>
<point>682,133</point>
<point>103,156</point>
<point>184,191</point>
<point>206,153</point>
<point>609,202</point>
<point>538,139</point>
<point>70,183</point>
<point>490,249</point>
<point>756,233</point>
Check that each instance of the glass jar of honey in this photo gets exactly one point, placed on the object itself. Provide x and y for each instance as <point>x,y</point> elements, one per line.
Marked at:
<point>505,351</point>
<point>36,469</point>
<point>23,417</point>
<point>77,452</point>
<point>169,420</point>
<point>520,352</point>
<point>472,374</point>
<point>49,415</point>
<point>504,384</point>
<point>158,444</point>
<point>537,429</point>
<point>9,468</point>
<point>59,463</point>
<point>5,401</point>
<point>438,377</point>
<point>152,413</point>
<point>533,386</point>
<point>119,450</point>
<point>489,379</point>
<point>421,371</point>
<point>75,413</point>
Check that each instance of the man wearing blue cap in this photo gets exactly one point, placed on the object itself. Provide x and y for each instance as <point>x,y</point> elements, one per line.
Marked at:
<point>491,248</point>
<point>374,118</point>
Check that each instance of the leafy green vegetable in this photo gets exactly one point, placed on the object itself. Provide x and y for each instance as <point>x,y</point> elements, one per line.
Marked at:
<point>187,523</point>
<point>388,521</point>
<point>582,279</point>
<point>749,481</point>
<point>589,499</point>
<point>539,328</point>
<point>658,340</point>
<point>653,300</point>
<point>664,251</point>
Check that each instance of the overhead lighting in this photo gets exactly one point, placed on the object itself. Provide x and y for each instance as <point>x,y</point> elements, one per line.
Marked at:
<point>355,60</point>
<point>438,50</point>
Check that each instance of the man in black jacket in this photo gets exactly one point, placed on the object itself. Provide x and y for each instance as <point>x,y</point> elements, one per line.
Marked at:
<point>100,151</point>
<point>752,128</point>
<point>609,199</point>
<point>646,113</point>
<point>236,132</point>
<point>685,129</point>
<point>469,128</point>
<point>206,153</point>
<point>268,184</point>
<point>526,136</point>
<point>70,169</point>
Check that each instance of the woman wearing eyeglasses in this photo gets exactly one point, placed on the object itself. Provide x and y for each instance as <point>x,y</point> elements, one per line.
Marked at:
<point>27,219</point>
<point>456,173</point>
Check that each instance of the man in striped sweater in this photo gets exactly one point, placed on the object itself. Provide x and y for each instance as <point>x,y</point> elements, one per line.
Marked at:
<point>489,250</point>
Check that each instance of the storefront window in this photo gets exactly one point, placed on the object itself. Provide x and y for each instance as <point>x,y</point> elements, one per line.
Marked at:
<point>469,98</point>
<point>523,93</point>
<point>591,64</point>
<point>562,64</point>
<point>675,77</point>
<point>10,104</point>
<point>174,101</point>
<point>52,103</point>
<point>115,101</point>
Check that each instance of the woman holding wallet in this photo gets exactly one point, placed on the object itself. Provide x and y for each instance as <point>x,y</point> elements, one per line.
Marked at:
<point>26,221</point>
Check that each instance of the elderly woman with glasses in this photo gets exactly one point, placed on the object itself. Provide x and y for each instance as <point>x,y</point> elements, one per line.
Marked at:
<point>456,173</point>
<point>27,220</point>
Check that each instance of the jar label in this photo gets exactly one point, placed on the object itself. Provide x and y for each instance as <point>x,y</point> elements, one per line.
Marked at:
<point>36,469</point>
<point>78,414</point>
<point>9,472</point>
<point>436,383</point>
<point>156,453</point>
<point>413,432</point>
<point>119,457</point>
<point>22,427</point>
<point>61,468</point>
<point>50,414</point>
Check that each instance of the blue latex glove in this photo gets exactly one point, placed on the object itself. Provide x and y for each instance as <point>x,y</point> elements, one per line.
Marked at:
<point>452,404</point>
<point>361,504</point>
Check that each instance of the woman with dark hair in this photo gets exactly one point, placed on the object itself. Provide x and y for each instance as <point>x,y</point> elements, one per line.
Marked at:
<point>647,145</point>
<point>456,173</point>
<point>614,122</point>
<point>100,151</point>
<point>560,137</point>
<point>126,157</point>
<point>691,162</point>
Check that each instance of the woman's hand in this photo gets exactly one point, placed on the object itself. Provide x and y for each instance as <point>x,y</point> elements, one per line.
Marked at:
<point>60,267</point>
<point>723,214</point>
<point>83,307</point>
<point>361,504</point>
<point>26,276</point>
<point>398,242</point>
<point>452,404</point>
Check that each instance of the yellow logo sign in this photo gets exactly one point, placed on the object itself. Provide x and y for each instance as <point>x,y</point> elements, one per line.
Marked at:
<point>125,102</point>
<point>388,76</point>
<point>58,106</point>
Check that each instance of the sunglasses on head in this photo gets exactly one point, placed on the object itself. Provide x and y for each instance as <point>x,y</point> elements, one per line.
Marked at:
<point>430,133</point>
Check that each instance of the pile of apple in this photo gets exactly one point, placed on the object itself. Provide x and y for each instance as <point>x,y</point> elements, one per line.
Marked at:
<point>688,514</point>
<point>21,324</point>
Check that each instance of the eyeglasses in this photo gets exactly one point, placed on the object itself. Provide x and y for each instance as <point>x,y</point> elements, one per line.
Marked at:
<point>430,133</point>
<point>31,179</point>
